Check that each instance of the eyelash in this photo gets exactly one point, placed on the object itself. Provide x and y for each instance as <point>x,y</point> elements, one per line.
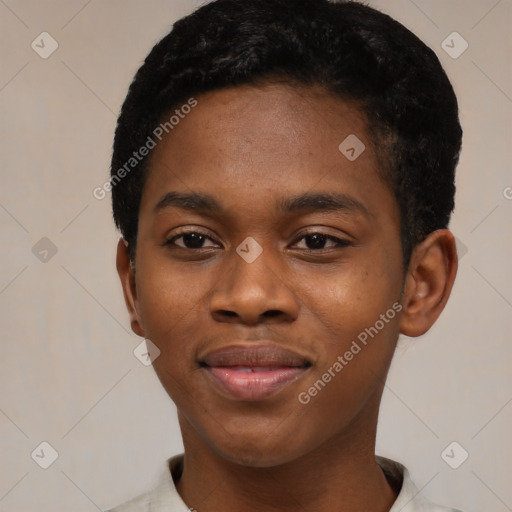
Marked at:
<point>340,242</point>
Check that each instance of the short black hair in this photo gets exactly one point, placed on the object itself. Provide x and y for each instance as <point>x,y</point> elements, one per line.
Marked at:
<point>352,51</point>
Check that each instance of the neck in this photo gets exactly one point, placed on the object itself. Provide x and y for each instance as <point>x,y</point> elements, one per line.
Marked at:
<point>341,474</point>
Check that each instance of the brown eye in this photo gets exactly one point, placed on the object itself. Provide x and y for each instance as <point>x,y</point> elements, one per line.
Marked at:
<point>190,240</point>
<point>317,241</point>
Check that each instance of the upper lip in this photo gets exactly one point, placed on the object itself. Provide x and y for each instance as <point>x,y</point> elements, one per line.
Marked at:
<point>254,355</point>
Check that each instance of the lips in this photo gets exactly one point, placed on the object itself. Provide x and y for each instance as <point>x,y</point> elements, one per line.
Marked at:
<point>253,372</point>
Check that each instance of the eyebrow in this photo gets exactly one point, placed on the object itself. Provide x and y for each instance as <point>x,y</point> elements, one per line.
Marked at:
<point>192,201</point>
<point>321,202</point>
<point>303,203</point>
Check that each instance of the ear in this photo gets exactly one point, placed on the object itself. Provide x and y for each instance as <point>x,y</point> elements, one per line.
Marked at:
<point>428,283</point>
<point>127,275</point>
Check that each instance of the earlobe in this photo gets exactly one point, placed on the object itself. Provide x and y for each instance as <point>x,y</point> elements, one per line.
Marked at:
<point>127,277</point>
<point>429,282</point>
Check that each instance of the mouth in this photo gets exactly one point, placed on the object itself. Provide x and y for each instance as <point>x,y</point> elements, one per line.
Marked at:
<point>253,372</point>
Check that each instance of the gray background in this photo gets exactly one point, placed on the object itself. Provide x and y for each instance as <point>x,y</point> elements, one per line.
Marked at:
<point>67,369</point>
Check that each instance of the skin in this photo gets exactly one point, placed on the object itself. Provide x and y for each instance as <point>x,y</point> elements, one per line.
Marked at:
<point>249,148</point>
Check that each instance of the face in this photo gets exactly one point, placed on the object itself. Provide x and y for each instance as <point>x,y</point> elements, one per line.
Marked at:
<point>268,273</point>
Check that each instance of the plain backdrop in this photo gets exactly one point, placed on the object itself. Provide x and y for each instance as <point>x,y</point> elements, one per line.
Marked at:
<point>68,373</point>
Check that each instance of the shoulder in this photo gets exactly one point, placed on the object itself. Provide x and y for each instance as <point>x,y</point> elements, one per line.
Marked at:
<point>163,498</point>
<point>141,503</point>
<point>409,497</point>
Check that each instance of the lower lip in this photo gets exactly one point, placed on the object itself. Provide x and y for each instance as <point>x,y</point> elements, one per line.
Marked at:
<point>253,385</point>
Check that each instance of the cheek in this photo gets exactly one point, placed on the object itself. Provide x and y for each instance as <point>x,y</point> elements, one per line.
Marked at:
<point>169,306</point>
<point>169,311</point>
<point>355,315</point>
<point>163,291</point>
<point>351,299</point>
<point>358,333</point>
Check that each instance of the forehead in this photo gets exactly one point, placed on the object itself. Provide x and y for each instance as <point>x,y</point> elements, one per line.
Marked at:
<point>257,144</point>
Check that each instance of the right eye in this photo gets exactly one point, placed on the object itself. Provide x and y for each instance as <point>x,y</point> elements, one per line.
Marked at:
<point>190,240</point>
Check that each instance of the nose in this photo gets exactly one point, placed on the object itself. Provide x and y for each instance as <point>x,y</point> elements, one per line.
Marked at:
<point>253,293</point>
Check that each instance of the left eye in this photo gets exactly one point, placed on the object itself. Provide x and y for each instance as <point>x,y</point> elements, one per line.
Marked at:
<point>315,241</point>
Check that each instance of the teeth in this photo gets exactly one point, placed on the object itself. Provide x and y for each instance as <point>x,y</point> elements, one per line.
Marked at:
<point>255,369</point>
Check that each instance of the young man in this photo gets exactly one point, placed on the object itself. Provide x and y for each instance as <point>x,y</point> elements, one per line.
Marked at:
<point>283,177</point>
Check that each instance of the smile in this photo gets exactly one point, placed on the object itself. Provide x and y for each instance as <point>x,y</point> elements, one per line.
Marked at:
<point>252,373</point>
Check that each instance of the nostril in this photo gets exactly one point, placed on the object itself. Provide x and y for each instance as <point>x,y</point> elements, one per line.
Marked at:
<point>272,312</point>
<point>228,313</point>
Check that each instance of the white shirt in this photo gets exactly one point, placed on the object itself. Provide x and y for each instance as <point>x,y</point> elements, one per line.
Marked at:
<point>165,497</point>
